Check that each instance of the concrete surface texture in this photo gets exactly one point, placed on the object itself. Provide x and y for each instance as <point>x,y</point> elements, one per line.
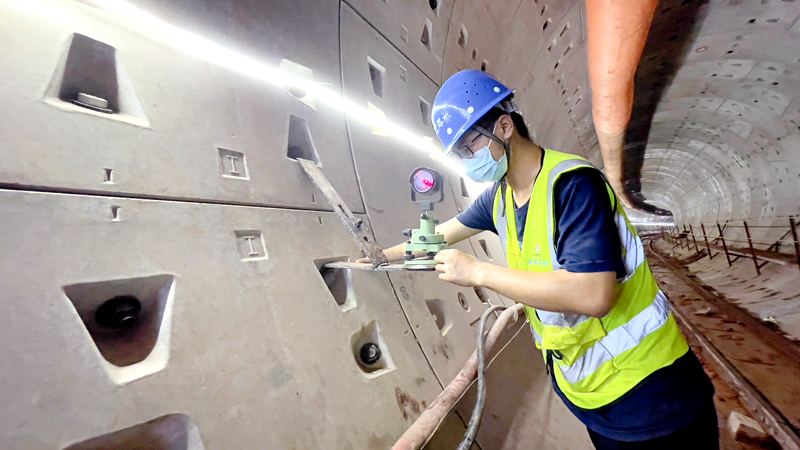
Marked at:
<point>148,165</point>
<point>162,252</point>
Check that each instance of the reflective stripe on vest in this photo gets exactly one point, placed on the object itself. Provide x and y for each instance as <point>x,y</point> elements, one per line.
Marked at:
<point>619,340</point>
<point>601,359</point>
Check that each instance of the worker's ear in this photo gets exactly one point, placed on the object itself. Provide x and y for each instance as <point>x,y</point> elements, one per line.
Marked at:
<point>505,127</point>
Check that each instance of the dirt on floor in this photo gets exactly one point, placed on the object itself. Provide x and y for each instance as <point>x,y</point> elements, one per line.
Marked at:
<point>765,357</point>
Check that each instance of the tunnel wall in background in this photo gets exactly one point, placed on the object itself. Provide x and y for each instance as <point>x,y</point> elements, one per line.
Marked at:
<point>726,130</point>
<point>182,191</point>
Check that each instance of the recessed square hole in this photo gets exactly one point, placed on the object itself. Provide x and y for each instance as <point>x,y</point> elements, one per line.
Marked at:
<point>90,75</point>
<point>483,296</point>
<point>251,245</point>
<point>370,351</point>
<point>484,65</point>
<point>129,321</point>
<point>90,78</point>
<point>425,110</point>
<point>464,190</point>
<point>425,38</point>
<point>437,310</point>
<point>170,432</point>
<point>377,73</point>
<point>115,213</point>
<point>546,24</point>
<point>299,142</point>
<point>338,281</point>
<point>485,249</point>
<point>232,164</point>
<point>108,176</point>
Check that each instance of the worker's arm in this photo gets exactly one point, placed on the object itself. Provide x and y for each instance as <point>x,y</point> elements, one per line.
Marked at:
<point>591,294</point>
<point>616,35</point>
<point>453,230</point>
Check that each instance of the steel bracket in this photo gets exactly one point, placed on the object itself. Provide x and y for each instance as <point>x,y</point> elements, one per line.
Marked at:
<point>356,226</point>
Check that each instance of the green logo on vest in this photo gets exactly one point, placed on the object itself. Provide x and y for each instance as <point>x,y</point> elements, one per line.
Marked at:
<point>537,259</point>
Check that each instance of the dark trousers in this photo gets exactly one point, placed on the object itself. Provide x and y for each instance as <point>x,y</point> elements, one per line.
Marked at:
<point>701,434</point>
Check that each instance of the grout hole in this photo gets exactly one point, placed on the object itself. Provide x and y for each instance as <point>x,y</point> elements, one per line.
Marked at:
<point>370,351</point>
<point>463,37</point>
<point>462,300</point>
<point>115,213</point>
<point>108,176</point>
<point>124,318</point>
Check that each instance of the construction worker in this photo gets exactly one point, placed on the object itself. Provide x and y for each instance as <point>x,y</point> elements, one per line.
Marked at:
<point>615,353</point>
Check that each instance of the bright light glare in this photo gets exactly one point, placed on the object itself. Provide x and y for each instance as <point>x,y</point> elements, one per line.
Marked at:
<point>214,53</point>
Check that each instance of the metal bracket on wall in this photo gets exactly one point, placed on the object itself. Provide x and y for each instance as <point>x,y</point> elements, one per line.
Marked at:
<point>381,268</point>
<point>356,226</point>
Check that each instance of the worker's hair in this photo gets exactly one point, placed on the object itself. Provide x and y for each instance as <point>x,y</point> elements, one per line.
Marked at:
<point>488,120</point>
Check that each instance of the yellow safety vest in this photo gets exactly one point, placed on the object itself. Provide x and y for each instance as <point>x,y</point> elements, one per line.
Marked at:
<point>597,360</point>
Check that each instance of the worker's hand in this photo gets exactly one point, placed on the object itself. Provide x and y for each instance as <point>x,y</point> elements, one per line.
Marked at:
<point>364,260</point>
<point>458,267</point>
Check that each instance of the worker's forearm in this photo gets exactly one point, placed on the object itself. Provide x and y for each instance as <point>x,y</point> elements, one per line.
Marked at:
<point>590,294</point>
<point>611,147</point>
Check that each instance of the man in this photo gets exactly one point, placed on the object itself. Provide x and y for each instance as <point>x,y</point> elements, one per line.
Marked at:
<point>615,353</point>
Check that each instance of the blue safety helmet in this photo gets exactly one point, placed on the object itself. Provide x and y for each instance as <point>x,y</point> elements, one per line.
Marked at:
<point>463,99</point>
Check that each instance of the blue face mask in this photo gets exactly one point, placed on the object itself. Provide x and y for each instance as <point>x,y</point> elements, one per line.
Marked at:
<point>482,167</point>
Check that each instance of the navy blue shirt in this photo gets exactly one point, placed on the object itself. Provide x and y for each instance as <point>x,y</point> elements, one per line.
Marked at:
<point>586,235</point>
<point>587,240</point>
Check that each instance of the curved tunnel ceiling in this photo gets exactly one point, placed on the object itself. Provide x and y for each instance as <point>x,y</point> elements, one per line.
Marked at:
<point>715,126</point>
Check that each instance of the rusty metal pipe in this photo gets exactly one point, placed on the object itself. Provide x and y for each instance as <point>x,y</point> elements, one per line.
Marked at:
<point>424,427</point>
<point>616,34</point>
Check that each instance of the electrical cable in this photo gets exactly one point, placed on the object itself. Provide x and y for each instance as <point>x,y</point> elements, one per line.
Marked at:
<point>480,402</point>
<point>488,365</point>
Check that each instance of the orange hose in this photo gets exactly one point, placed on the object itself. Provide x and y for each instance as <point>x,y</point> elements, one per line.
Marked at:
<point>422,429</point>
